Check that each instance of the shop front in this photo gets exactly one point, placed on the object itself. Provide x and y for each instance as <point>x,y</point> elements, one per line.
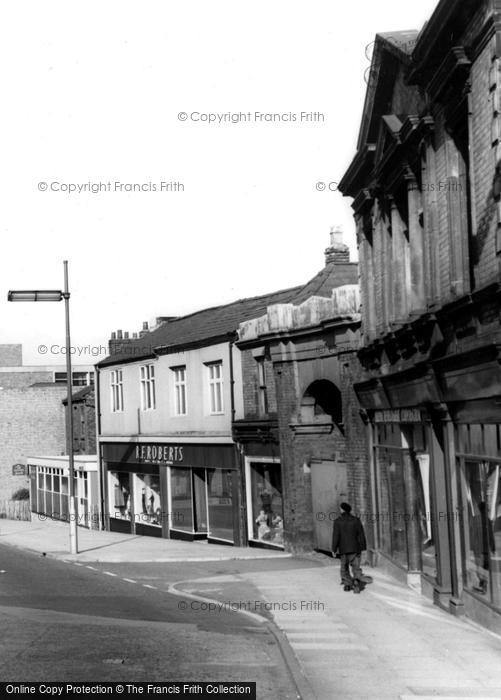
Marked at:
<point>478,469</point>
<point>182,490</point>
<point>405,514</point>
<point>436,475</point>
<point>49,486</point>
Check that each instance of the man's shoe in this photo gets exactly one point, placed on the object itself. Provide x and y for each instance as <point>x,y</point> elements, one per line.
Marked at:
<point>356,587</point>
<point>347,588</point>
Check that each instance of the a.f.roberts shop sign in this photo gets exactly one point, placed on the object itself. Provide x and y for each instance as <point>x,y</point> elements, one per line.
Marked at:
<point>159,454</point>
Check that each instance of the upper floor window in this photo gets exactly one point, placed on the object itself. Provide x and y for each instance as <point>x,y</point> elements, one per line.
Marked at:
<point>78,378</point>
<point>117,390</point>
<point>148,399</point>
<point>215,370</point>
<point>262,390</point>
<point>179,390</point>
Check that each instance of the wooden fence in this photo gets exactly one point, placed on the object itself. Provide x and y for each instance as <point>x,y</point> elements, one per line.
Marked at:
<point>15,510</point>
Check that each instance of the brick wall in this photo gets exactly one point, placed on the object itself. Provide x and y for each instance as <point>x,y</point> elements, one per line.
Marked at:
<point>484,164</point>
<point>444,237</point>
<point>291,381</point>
<point>17,380</point>
<point>251,385</point>
<point>32,421</point>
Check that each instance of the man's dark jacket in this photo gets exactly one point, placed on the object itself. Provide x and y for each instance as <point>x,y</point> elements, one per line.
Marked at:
<point>348,535</point>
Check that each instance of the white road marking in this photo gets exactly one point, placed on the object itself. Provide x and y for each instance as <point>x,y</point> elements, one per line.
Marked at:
<point>340,646</point>
<point>129,580</point>
<point>109,573</point>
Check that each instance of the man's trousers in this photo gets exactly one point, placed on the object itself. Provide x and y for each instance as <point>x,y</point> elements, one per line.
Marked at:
<point>350,560</point>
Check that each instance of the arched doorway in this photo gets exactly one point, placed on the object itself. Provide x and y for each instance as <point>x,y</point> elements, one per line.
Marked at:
<point>321,416</point>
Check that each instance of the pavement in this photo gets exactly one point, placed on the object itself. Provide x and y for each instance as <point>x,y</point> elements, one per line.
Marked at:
<point>51,537</point>
<point>387,642</point>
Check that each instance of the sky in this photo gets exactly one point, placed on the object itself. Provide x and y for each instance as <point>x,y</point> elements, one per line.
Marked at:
<point>176,99</point>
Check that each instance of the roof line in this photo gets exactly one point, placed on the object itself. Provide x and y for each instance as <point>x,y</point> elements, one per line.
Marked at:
<point>233,303</point>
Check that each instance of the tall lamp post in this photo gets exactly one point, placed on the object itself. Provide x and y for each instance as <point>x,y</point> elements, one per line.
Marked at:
<point>58,295</point>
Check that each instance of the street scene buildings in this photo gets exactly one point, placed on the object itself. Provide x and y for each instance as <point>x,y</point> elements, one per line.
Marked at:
<point>195,430</point>
<point>424,188</point>
<point>212,451</point>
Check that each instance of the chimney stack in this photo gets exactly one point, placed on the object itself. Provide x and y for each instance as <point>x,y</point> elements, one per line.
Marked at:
<point>337,252</point>
<point>117,341</point>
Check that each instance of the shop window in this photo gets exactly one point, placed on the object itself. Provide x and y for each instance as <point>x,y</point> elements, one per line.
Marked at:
<point>120,496</point>
<point>181,499</point>
<point>482,528</point>
<point>215,374</point>
<point>179,390</point>
<point>220,503</point>
<point>266,506</point>
<point>394,444</point>
<point>147,504</point>
<point>424,514</point>
<point>117,391</point>
<point>148,398</point>
<point>51,498</point>
<point>391,513</point>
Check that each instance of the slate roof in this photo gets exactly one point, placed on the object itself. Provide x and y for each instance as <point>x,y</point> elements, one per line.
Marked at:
<point>80,394</point>
<point>333,275</point>
<point>222,321</point>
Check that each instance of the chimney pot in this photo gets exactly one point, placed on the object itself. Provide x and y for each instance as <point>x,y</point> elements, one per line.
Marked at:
<point>126,335</point>
<point>336,235</point>
<point>145,325</point>
<point>134,335</point>
<point>113,335</point>
<point>119,334</point>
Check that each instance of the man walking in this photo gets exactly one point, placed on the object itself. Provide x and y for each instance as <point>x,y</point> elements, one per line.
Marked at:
<point>348,538</point>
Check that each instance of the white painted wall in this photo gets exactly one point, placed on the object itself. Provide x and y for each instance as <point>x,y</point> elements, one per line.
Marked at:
<point>162,420</point>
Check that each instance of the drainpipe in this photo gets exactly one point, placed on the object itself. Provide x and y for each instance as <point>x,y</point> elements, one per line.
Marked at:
<point>100,485</point>
<point>232,381</point>
<point>373,489</point>
<point>240,538</point>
